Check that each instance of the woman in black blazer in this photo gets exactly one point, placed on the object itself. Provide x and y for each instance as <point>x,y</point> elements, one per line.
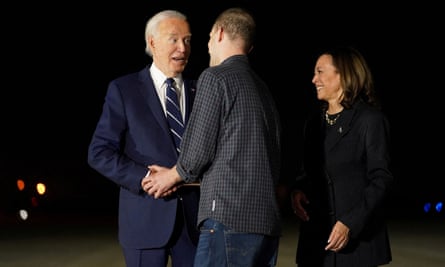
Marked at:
<point>345,178</point>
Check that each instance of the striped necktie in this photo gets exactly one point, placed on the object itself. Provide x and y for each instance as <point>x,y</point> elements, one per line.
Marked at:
<point>174,117</point>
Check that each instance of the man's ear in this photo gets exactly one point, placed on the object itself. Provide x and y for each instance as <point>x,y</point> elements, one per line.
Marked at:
<point>151,42</point>
<point>220,33</point>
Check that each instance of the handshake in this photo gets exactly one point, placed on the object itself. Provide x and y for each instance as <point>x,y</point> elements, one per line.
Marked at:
<point>162,182</point>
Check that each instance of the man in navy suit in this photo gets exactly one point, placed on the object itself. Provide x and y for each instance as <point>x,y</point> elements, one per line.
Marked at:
<point>133,133</point>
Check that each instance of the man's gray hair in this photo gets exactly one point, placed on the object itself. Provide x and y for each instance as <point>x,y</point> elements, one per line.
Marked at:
<point>152,26</point>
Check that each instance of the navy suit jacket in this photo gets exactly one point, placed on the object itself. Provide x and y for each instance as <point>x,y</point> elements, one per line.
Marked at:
<point>132,133</point>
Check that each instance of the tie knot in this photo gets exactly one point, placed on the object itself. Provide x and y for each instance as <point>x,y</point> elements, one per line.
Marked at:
<point>170,81</point>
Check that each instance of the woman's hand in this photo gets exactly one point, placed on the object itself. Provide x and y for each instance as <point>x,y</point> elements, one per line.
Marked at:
<point>298,200</point>
<point>339,237</point>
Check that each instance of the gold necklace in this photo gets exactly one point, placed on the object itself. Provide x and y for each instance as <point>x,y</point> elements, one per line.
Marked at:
<point>333,120</point>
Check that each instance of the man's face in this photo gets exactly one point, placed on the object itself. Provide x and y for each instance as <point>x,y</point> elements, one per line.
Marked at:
<point>171,46</point>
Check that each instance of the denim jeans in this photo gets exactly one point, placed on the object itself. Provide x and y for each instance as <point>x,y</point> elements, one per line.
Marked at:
<point>219,246</point>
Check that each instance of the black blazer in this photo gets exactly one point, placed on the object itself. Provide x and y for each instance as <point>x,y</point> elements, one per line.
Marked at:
<point>347,177</point>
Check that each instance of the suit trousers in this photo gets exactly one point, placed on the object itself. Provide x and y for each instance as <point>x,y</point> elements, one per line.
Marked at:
<point>180,249</point>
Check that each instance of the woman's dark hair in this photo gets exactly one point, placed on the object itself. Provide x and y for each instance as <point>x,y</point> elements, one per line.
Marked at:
<point>355,76</point>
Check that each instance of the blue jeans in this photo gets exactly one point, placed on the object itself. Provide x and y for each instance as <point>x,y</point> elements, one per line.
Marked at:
<point>219,246</point>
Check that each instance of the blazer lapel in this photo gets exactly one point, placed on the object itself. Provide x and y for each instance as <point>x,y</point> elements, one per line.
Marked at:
<point>148,92</point>
<point>341,128</point>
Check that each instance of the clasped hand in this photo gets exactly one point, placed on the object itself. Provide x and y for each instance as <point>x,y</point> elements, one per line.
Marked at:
<point>161,181</point>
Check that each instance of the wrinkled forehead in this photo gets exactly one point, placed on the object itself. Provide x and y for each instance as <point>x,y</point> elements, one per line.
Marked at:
<point>174,26</point>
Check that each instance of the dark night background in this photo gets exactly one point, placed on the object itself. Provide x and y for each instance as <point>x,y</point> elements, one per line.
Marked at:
<point>58,59</point>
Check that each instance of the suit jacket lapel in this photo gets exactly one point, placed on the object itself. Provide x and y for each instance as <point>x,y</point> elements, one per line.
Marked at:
<point>148,92</point>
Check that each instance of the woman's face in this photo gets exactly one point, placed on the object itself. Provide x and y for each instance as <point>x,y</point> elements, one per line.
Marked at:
<point>327,80</point>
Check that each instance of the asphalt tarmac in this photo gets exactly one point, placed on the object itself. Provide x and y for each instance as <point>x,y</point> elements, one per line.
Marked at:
<point>91,240</point>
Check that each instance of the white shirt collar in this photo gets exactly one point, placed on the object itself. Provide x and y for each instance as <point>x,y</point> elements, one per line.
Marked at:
<point>159,78</point>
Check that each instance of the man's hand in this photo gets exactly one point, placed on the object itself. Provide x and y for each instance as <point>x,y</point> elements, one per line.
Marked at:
<point>161,182</point>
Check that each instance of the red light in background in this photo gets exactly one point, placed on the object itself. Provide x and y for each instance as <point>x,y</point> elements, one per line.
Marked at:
<point>34,202</point>
<point>20,184</point>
